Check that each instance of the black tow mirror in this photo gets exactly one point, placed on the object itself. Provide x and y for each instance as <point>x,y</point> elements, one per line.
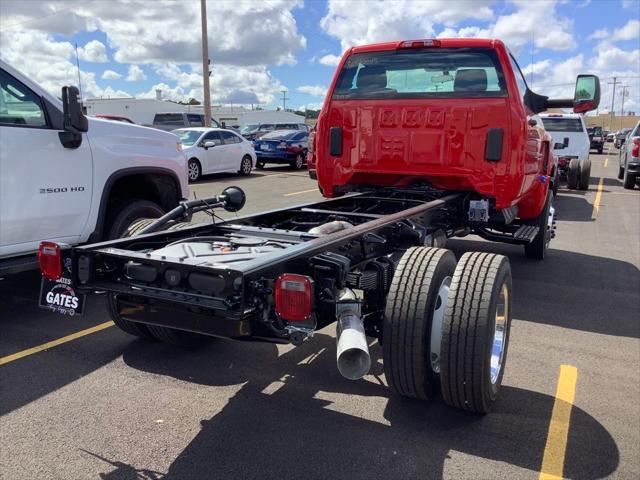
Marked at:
<point>74,120</point>
<point>587,94</point>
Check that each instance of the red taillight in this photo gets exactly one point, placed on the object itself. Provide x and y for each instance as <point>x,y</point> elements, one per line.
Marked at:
<point>419,43</point>
<point>312,142</point>
<point>294,297</point>
<point>50,260</point>
<point>635,150</point>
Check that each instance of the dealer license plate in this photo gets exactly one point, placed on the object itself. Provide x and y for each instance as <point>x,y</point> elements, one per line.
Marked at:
<point>60,297</point>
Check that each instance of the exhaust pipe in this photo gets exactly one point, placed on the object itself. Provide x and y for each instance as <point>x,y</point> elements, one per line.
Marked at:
<point>352,353</point>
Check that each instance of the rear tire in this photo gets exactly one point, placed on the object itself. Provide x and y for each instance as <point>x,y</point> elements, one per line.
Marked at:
<point>132,328</point>
<point>573,174</point>
<point>259,165</point>
<point>177,337</point>
<point>585,174</point>
<point>628,180</point>
<point>475,333</point>
<point>415,294</point>
<point>245,166</point>
<point>298,163</point>
<point>537,249</point>
<point>129,216</point>
<point>620,173</point>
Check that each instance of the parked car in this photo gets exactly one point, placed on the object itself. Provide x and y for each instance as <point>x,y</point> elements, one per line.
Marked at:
<point>214,150</point>
<point>69,178</point>
<point>256,130</point>
<point>282,146</point>
<point>173,120</point>
<point>571,145</point>
<point>115,118</point>
<point>620,137</point>
<point>629,157</point>
<point>611,137</point>
<point>596,138</point>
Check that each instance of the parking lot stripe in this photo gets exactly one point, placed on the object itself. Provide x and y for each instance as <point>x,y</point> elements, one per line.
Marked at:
<point>606,161</point>
<point>555,448</point>
<point>298,193</point>
<point>54,343</point>
<point>596,203</point>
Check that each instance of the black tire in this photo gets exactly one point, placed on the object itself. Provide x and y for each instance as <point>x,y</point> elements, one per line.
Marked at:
<point>573,174</point>
<point>585,174</point>
<point>628,180</point>
<point>259,165</point>
<point>408,317</point>
<point>130,214</point>
<point>298,163</point>
<point>177,337</point>
<point>600,150</point>
<point>246,164</point>
<point>620,173</point>
<point>480,285</point>
<point>132,328</point>
<point>537,249</point>
<point>194,170</point>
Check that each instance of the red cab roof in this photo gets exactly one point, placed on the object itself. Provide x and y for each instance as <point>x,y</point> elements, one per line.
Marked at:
<point>437,43</point>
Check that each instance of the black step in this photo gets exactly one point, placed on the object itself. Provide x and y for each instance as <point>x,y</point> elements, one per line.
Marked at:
<point>526,233</point>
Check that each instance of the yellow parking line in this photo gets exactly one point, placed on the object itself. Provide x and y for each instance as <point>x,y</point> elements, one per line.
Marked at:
<point>556,446</point>
<point>298,193</point>
<point>606,161</point>
<point>596,203</point>
<point>54,343</point>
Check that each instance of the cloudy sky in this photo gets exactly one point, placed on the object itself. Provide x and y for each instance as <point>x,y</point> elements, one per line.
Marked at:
<point>260,47</point>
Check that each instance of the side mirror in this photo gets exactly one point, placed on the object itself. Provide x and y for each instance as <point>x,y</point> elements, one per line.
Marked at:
<point>74,119</point>
<point>587,94</point>
<point>209,144</point>
<point>234,198</point>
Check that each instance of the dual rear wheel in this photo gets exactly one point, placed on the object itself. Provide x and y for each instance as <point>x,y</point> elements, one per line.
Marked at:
<point>447,326</point>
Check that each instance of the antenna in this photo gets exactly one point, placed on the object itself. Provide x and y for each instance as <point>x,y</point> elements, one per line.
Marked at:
<point>78,65</point>
<point>531,72</point>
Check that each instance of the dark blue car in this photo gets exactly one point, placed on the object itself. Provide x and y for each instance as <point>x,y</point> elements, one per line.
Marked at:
<point>282,146</point>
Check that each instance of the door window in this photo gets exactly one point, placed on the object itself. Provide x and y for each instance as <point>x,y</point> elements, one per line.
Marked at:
<point>228,138</point>
<point>19,106</point>
<point>522,83</point>
<point>212,137</point>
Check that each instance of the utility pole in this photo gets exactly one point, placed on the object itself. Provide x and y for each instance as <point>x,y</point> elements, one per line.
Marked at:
<point>624,94</point>
<point>284,100</point>
<point>205,64</point>
<point>613,101</point>
<point>78,65</point>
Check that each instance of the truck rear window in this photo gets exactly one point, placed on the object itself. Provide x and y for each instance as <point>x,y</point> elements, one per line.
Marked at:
<point>562,124</point>
<point>421,73</point>
<point>168,119</point>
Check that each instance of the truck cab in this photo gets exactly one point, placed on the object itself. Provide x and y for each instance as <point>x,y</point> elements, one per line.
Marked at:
<point>454,113</point>
<point>70,178</point>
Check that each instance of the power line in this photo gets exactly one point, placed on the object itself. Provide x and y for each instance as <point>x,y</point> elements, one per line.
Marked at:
<point>613,101</point>
<point>30,20</point>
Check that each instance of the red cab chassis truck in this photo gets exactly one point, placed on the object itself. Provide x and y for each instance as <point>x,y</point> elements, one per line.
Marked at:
<point>417,142</point>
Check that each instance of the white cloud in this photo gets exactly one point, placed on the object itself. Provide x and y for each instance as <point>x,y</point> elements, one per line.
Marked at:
<point>610,58</point>
<point>330,60</point>
<point>110,75</point>
<point>599,34</point>
<point>357,23</point>
<point>135,74</point>
<point>537,68</point>
<point>94,51</point>
<point>631,31</point>
<point>315,90</point>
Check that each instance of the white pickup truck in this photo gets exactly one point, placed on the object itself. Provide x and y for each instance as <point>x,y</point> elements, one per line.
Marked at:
<point>69,178</point>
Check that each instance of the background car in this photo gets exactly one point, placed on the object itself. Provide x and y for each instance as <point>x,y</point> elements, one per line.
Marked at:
<point>115,118</point>
<point>282,146</point>
<point>214,150</point>
<point>611,137</point>
<point>173,120</point>
<point>596,137</point>
<point>620,137</point>
<point>257,130</point>
<point>629,156</point>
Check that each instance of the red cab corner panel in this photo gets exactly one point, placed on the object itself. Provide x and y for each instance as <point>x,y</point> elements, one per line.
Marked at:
<point>294,297</point>
<point>50,260</point>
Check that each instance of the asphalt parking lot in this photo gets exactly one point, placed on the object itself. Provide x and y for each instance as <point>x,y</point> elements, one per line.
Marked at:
<point>106,405</point>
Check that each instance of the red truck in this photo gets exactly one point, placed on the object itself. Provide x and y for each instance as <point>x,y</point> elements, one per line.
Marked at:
<point>418,141</point>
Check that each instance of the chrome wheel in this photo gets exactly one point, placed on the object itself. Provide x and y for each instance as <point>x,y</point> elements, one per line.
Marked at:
<point>436,323</point>
<point>499,334</point>
<point>193,170</point>
<point>245,166</point>
<point>299,162</point>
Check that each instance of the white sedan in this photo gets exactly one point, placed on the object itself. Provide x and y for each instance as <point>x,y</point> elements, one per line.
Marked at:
<point>214,150</point>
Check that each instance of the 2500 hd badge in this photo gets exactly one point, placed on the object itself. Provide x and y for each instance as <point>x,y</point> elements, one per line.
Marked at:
<point>60,297</point>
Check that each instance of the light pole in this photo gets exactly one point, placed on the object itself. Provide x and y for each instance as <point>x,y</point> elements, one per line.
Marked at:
<point>205,64</point>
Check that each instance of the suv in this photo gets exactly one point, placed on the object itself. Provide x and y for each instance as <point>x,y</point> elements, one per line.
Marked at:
<point>596,138</point>
<point>72,179</point>
<point>171,121</point>
<point>629,156</point>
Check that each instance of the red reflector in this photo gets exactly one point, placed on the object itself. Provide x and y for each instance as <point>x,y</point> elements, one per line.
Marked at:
<point>50,260</point>
<point>294,297</point>
<point>311,148</point>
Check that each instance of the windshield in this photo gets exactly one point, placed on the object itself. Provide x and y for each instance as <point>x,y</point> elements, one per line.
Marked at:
<point>279,135</point>
<point>250,128</point>
<point>562,124</point>
<point>187,137</point>
<point>421,73</point>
